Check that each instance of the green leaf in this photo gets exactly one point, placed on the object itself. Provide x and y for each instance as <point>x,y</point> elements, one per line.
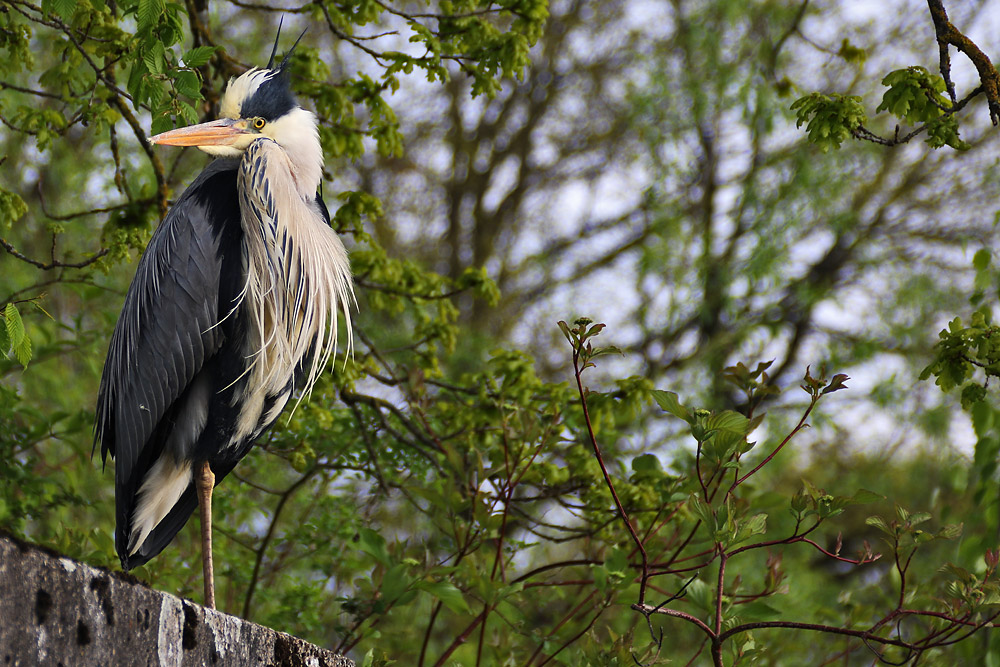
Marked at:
<point>617,562</point>
<point>983,418</point>
<point>811,489</point>
<point>148,14</point>
<point>373,544</point>
<point>729,421</point>
<point>700,594</point>
<point>703,511</point>
<point>199,55</point>
<point>951,531</point>
<point>12,207</point>
<point>609,349</point>
<point>188,114</point>
<point>394,583</point>
<point>959,572</point>
<point>566,332</point>
<point>836,384</point>
<point>63,8</point>
<point>647,465</point>
<point>755,422</point>
<point>991,597</point>
<point>188,84</point>
<point>879,522</point>
<point>668,402</point>
<point>981,260</point>
<point>757,524</point>
<point>798,503</point>
<point>600,574</point>
<point>758,611</point>
<point>14,325</point>
<point>23,351</point>
<point>17,338</point>
<point>137,81</point>
<point>154,58</point>
<point>160,124</point>
<point>864,496</point>
<point>447,593</point>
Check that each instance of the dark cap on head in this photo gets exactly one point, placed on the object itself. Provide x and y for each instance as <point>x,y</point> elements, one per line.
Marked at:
<point>272,99</point>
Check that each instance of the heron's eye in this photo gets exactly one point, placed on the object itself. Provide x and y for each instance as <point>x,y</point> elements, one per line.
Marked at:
<point>259,123</point>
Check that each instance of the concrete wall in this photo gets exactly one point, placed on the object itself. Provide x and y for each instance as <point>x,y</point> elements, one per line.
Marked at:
<point>59,612</point>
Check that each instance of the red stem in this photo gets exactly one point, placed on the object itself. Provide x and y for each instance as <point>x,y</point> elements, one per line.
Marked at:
<point>459,640</point>
<point>720,588</point>
<point>798,427</point>
<point>607,477</point>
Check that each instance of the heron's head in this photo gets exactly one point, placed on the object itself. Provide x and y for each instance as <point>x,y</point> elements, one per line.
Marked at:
<point>258,104</point>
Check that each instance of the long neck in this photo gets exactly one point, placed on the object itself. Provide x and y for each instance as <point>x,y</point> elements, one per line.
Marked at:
<point>297,134</point>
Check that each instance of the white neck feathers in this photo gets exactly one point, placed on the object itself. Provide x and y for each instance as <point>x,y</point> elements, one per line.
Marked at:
<point>297,134</point>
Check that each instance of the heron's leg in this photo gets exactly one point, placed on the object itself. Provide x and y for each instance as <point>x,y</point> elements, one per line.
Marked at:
<point>205,481</point>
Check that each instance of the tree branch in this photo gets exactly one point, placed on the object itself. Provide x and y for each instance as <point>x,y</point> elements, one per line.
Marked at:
<point>947,34</point>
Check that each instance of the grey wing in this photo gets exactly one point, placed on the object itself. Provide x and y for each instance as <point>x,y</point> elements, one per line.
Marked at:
<point>167,329</point>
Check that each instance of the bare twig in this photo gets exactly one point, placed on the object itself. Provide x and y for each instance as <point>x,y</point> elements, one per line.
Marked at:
<point>54,264</point>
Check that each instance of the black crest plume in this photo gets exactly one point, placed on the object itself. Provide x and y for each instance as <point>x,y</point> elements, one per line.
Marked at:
<point>274,49</point>
<point>273,98</point>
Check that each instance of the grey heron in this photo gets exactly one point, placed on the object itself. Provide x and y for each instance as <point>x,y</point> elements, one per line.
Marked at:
<point>234,300</point>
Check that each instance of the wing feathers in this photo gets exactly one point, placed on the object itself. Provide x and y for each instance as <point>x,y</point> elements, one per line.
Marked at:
<point>165,335</point>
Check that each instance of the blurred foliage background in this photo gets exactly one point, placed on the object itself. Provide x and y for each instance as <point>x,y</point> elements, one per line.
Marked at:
<point>495,167</point>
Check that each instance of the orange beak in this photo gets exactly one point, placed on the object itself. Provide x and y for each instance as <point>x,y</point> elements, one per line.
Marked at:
<point>222,132</point>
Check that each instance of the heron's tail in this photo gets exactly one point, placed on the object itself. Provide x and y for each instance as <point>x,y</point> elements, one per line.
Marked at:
<point>161,535</point>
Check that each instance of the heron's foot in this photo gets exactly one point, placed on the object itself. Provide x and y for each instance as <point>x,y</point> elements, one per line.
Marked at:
<point>205,482</point>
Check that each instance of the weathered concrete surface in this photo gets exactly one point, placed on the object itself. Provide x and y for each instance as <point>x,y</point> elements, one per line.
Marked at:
<point>59,612</point>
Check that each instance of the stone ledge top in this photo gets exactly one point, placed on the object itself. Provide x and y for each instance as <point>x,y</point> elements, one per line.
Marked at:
<point>60,612</point>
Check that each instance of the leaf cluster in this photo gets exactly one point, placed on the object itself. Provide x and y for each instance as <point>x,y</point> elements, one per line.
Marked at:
<point>914,95</point>
<point>961,352</point>
<point>830,119</point>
